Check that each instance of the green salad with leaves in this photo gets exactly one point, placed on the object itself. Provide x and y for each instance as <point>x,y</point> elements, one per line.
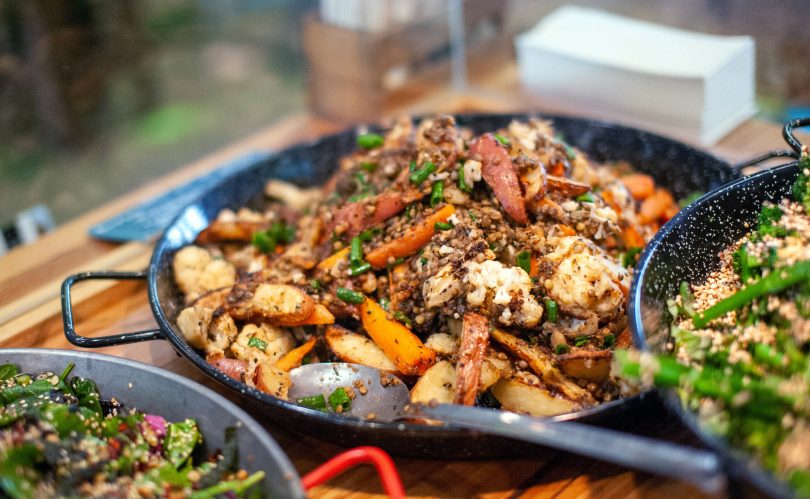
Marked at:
<point>59,438</point>
<point>741,339</point>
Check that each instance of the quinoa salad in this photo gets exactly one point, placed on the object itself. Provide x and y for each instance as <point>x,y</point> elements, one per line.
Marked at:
<point>488,269</point>
<point>740,342</point>
<point>59,438</point>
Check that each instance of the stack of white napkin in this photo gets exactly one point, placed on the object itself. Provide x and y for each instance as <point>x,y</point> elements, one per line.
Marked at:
<point>691,86</point>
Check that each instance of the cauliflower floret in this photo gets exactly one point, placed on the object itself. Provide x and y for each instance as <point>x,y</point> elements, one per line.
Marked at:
<point>269,343</point>
<point>197,272</point>
<point>440,288</point>
<point>505,285</point>
<point>193,322</point>
<point>586,279</point>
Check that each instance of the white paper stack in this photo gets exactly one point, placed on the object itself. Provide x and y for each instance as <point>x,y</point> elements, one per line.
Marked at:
<point>691,86</point>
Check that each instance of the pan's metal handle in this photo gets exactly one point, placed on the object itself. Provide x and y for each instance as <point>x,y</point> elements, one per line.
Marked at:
<point>102,341</point>
<point>795,151</point>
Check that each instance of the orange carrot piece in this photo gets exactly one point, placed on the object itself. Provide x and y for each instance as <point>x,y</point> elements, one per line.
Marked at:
<point>566,230</point>
<point>295,357</point>
<point>632,238</point>
<point>654,206</point>
<point>474,342</point>
<point>670,212</point>
<point>610,199</point>
<point>641,186</point>
<point>320,315</point>
<point>410,242</point>
<point>334,259</point>
<point>400,345</point>
<point>534,266</point>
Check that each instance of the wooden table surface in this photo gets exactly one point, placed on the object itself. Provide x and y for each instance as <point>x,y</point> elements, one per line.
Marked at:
<point>30,278</point>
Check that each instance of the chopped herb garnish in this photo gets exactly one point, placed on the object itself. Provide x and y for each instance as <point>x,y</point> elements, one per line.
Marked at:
<point>585,198</point>
<point>472,215</point>
<point>683,203</point>
<point>317,402</point>
<point>401,317</point>
<point>443,226</point>
<point>356,251</point>
<point>257,343</point>
<point>370,140</point>
<point>367,166</point>
<point>629,257</point>
<point>315,283</point>
<point>339,400</point>
<point>608,341</point>
<point>462,183</point>
<point>408,211</point>
<point>385,303</point>
<point>368,234</point>
<point>350,296</point>
<point>437,193</point>
<point>412,166</point>
<point>561,349</point>
<point>551,310</point>
<point>524,261</point>
<point>581,341</point>
<point>420,175</point>
<point>263,242</point>
<point>358,268</point>
<point>503,140</point>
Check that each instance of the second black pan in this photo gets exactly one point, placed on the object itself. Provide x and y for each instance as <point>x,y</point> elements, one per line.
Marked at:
<point>683,169</point>
<point>687,249</point>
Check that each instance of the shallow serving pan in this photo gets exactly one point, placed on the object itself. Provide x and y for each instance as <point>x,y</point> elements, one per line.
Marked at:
<point>681,168</point>
<point>157,391</point>
<point>687,248</point>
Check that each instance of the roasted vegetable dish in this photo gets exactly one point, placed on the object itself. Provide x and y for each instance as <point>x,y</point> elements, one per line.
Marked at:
<point>483,269</point>
<point>741,340</point>
<point>59,438</point>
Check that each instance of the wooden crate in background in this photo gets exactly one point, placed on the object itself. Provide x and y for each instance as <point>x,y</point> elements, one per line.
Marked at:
<point>353,75</point>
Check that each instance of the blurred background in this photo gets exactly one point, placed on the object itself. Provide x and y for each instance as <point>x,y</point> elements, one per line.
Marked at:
<point>98,98</point>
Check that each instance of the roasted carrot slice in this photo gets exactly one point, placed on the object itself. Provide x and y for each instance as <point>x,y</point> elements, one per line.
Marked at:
<point>295,357</point>
<point>655,206</point>
<point>320,315</point>
<point>631,237</point>
<point>229,231</point>
<point>474,342</point>
<point>534,266</point>
<point>412,241</point>
<point>333,260</point>
<point>566,230</point>
<point>403,347</point>
<point>641,186</point>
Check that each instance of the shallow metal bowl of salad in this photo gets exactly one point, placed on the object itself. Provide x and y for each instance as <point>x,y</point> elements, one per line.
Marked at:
<point>84,424</point>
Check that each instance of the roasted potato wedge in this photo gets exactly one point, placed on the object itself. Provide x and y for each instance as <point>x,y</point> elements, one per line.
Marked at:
<point>438,383</point>
<point>517,396</point>
<point>270,379</point>
<point>542,365</point>
<point>357,349</point>
<point>587,364</point>
<point>276,303</point>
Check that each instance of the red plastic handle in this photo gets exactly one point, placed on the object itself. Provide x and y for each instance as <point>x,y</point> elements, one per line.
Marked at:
<point>389,476</point>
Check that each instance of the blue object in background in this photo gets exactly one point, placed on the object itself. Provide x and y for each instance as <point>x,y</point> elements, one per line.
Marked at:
<point>148,219</point>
